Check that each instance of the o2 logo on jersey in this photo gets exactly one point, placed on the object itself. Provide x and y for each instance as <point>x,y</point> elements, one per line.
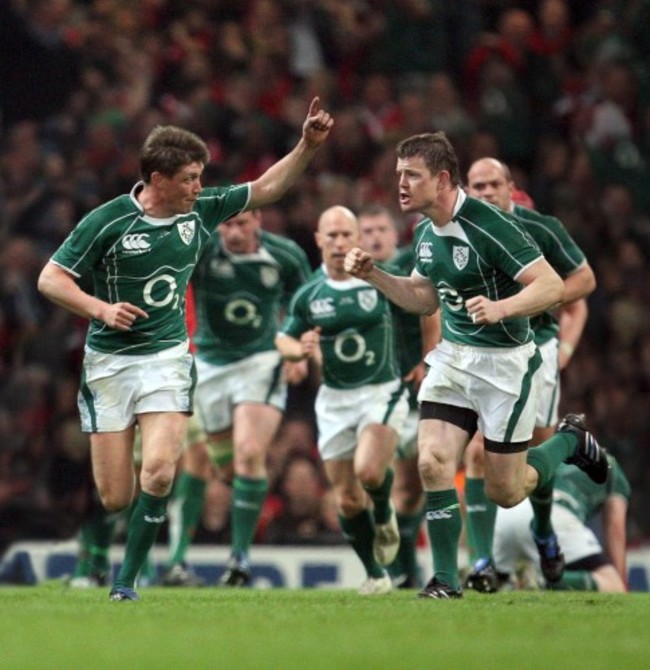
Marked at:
<point>351,347</point>
<point>451,298</point>
<point>322,307</point>
<point>136,242</point>
<point>161,291</point>
<point>242,312</point>
<point>425,254</point>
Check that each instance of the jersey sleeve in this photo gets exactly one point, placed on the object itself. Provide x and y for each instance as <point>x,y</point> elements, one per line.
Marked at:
<point>509,247</point>
<point>558,247</point>
<point>218,204</point>
<point>84,246</point>
<point>295,322</point>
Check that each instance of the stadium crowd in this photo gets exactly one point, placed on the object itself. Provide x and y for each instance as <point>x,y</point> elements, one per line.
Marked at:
<point>561,94</point>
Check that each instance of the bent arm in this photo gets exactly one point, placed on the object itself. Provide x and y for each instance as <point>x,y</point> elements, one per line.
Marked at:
<point>60,287</point>
<point>543,289</point>
<point>281,176</point>
<point>614,514</point>
<point>414,294</point>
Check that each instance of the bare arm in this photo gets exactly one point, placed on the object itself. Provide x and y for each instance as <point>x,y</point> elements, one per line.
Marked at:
<point>279,178</point>
<point>614,515</point>
<point>413,294</point>
<point>543,289</point>
<point>60,287</point>
<point>293,349</point>
<point>579,284</point>
<point>573,317</point>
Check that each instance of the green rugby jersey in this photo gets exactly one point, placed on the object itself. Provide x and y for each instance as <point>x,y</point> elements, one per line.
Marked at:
<point>562,253</point>
<point>356,339</point>
<point>145,261</point>
<point>239,297</point>
<point>574,489</point>
<point>479,252</point>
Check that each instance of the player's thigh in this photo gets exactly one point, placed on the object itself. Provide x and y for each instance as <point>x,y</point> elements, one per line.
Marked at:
<point>505,476</point>
<point>112,465</point>
<point>255,426</point>
<point>375,451</point>
<point>500,385</point>
<point>163,436</point>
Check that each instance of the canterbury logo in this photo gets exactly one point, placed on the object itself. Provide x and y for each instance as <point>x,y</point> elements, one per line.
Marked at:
<point>154,519</point>
<point>438,514</point>
<point>136,242</point>
<point>476,508</point>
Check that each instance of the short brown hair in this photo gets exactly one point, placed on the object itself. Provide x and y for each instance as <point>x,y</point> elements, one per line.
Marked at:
<point>168,149</point>
<point>437,152</point>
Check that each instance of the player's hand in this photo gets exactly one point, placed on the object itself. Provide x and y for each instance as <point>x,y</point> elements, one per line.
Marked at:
<point>416,375</point>
<point>122,315</point>
<point>482,310</point>
<point>295,372</point>
<point>358,263</point>
<point>310,343</point>
<point>317,125</point>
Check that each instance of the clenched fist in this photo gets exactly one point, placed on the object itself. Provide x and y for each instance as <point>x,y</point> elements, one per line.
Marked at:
<point>359,263</point>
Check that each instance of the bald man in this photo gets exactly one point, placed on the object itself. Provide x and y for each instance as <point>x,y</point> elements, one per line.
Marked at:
<point>346,325</point>
<point>556,332</point>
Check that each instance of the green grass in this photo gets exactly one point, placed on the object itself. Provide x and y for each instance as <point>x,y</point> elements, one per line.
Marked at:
<point>51,627</point>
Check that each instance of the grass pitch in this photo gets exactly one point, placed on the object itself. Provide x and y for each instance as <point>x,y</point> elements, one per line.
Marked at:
<point>50,626</point>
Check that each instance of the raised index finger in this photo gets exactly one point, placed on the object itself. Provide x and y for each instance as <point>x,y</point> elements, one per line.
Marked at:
<point>314,107</point>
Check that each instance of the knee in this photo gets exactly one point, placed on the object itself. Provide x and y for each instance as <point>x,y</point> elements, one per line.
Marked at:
<point>502,495</point>
<point>371,476</point>
<point>350,504</point>
<point>113,500</point>
<point>433,469</point>
<point>157,477</point>
<point>249,459</point>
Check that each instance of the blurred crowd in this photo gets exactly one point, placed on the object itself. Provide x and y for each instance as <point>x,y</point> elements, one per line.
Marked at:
<point>559,91</point>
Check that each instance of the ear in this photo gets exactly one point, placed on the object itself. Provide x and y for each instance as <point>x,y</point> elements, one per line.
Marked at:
<point>444,179</point>
<point>157,178</point>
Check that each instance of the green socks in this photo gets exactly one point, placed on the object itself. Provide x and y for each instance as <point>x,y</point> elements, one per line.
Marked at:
<point>444,524</point>
<point>185,511</point>
<point>96,538</point>
<point>546,458</point>
<point>381,498</point>
<point>359,531</point>
<point>148,515</point>
<point>247,498</point>
<point>406,562</point>
<point>481,517</point>
<point>575,580</point>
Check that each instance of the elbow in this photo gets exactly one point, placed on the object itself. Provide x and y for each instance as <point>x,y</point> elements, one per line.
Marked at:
<point>43,283</point>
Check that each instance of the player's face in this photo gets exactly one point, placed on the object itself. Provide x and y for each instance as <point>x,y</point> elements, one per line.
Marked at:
<point>179,192</point>
<point>239,234</point>
<point>377,236</point>
<point>335,237</point>
<point>487,182</point>
<point>418,188</point>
